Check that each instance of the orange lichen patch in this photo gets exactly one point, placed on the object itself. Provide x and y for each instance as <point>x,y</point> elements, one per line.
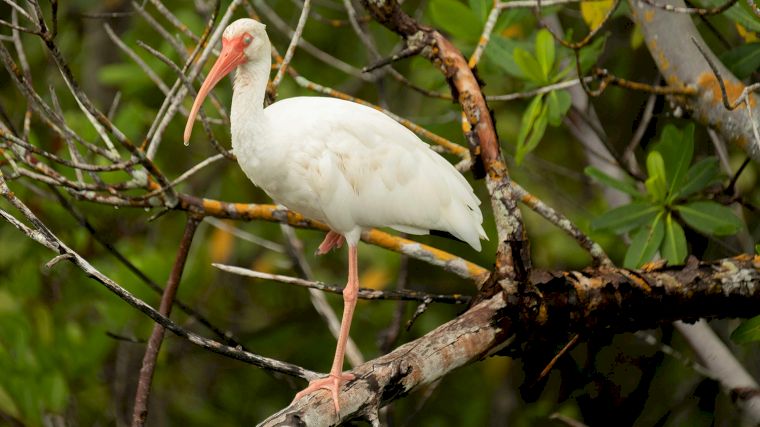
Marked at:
<point>396,244</point>
<point>153,185</point>
<point>673,80</point>
<point>244,209</point>
<point>648,15</point>
<point>213,207</point>
<point>745,257</point>
<point>653,265</point>
<point>638,281</point>
<point>529,199</point>
<point>384,240</point>
<point>734,89</point>
<point>663,61</point>
<point>466,126</point>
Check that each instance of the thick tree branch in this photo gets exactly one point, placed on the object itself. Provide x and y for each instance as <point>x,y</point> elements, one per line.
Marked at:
<point>264,212</point>
<point>669,39</point>
<point>574,302</point>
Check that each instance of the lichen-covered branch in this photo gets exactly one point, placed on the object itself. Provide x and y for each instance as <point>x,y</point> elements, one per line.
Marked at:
<point>572,302</point>
<point>669,37</point>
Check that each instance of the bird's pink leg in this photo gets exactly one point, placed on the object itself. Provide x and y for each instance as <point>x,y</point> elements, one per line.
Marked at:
<point>333,381</point>
<point>332,240</point>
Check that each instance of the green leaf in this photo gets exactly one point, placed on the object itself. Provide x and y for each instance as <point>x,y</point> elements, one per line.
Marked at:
<point>626,217</point>
<point>501,51</point>
<point>545,52</point>
<point>529,66</point>
<point>757,249</point>
<point>700,176</point>
<point>738,13</point>
<point>558,103</point>
<point>625,185</point>
<point>742,60</point>
<point>590,53</point>
<point>57,391</point>
<point>7,405</point>
<point>677,150</point>
<point>674,244</point>
<point>747,332</point>
<point>645,243</point>
<point>710,218</point>
<point>532,127</point>
<point>456,19</point>
<point>480,8</point>
<point>656,183</point>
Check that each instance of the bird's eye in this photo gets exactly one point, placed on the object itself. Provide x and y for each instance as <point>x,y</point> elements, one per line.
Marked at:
<point>247,39</point>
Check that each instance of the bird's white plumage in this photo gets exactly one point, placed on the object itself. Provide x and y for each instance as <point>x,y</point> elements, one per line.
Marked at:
<point>344,163</point>
<point>340,162</point>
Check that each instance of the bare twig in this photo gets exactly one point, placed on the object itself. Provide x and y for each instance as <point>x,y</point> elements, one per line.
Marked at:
<point>140,412</point>
<point>594,249</point>
<point>292,46</point>
<point>364,293</point>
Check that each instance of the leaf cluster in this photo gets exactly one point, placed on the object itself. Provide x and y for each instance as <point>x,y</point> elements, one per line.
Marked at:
<point>671,197</point>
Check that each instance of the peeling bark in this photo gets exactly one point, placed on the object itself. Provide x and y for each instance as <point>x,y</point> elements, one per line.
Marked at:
<point>602,300</point>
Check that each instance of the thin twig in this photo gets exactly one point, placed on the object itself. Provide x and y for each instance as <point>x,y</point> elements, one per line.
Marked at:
<point>364,293</point>
<point>140,412</point>
<point>598,255</point>
<point>297,33</point>
<point>693,10</point>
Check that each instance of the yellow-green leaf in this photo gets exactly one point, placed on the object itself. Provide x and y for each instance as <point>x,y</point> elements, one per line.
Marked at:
<point>593,12</point>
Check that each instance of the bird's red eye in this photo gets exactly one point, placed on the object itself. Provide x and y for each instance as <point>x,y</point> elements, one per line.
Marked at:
<point>247,39</point>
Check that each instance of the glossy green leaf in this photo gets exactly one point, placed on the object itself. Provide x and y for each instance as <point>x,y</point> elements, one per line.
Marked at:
<point>532,128</point>
<point>674,244</point>
<point>748,331</point>
<point>480,8</point>
<point>710,218</point>
<point>501,51</point>
<point>677,149</point>
<point>558,103</point>
<point>656,183</point>
<point>456,19</point>
<point>700,176</point>
<point>545,52</point>
<point>626,217</point>
<point>528,64</point>
<point>645,243</point>
<point>625,184</point>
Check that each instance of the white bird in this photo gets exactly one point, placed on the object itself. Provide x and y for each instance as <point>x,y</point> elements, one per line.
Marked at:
<point>339,162</point>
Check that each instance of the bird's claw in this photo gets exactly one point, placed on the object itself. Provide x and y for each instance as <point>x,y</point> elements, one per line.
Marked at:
<point>331,382</point>
<point>332,240</point>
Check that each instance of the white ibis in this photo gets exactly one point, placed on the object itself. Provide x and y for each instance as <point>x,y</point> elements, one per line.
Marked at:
<point>339,162</point>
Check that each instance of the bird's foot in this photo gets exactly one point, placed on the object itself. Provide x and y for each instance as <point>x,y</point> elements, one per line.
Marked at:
<point>332,240</point>
<point>331,382</point>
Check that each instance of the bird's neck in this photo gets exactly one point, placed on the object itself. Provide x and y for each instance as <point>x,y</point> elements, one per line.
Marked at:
<point>247,115</point>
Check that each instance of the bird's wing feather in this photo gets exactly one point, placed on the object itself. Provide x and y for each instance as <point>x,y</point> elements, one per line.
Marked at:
<point>369,171</point>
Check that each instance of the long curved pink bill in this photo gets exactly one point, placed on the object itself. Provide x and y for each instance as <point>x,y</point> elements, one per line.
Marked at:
<point>230,57</point>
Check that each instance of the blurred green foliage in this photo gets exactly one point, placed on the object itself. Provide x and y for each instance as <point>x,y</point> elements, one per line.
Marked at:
<point>70,351</point>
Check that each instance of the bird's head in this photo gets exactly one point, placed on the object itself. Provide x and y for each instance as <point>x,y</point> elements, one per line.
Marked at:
<point>242,41</point>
